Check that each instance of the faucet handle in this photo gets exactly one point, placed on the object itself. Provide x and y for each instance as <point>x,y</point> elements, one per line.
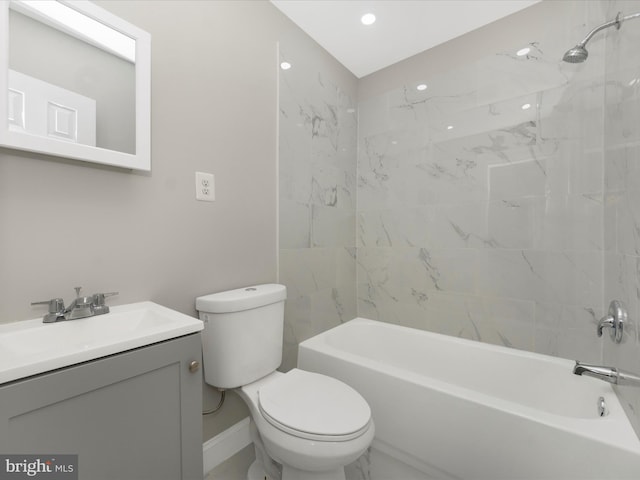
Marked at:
<point>56,310</point>
<point>614,320</point>
<point>56,305</point>
<point>98,302</point>
<point>605,322</point>
<point>98,298</point>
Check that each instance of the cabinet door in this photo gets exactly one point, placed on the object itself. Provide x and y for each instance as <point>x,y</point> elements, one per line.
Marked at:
<point>131,416</point>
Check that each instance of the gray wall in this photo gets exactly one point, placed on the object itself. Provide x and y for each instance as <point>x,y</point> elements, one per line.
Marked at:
<point>65,223</point>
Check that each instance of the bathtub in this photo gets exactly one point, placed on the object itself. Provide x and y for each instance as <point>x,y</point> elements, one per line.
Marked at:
<point>451,408</point>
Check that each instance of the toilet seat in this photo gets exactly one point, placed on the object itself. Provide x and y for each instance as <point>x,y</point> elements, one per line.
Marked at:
<point>314,407</point>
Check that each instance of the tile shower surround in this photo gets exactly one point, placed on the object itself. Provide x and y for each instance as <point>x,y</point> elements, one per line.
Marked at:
<point>317,185</point>
<point>515,226</point>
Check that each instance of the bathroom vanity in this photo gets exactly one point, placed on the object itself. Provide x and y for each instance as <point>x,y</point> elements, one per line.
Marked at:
<point>134,414</point>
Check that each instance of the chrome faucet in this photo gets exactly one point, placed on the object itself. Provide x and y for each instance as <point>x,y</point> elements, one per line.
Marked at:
<point>80,307</point>
<point>608,374</point>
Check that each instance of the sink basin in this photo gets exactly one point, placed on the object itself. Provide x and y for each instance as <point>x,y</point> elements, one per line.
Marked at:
<point>31,347</point>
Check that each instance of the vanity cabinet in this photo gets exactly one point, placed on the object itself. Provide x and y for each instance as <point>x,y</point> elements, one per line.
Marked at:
<point>131,416</point>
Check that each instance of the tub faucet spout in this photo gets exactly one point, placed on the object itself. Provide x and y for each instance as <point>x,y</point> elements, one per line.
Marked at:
<point>608,374</point>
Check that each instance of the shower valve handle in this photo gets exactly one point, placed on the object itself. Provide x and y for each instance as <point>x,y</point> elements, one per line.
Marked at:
<point>614,321</point>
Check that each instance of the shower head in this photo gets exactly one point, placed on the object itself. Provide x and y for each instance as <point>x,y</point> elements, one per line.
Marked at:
<point>577,54</point>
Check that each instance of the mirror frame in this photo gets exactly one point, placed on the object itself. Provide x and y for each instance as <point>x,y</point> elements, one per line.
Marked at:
<point>141,160</point>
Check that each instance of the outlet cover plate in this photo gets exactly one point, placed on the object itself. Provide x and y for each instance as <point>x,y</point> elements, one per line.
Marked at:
<point>205,187</point>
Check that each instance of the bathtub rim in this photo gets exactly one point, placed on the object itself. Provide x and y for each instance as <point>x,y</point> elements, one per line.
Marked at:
<point>614,429</point>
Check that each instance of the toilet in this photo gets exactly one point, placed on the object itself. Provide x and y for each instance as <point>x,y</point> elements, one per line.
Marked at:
<point>305,426</point>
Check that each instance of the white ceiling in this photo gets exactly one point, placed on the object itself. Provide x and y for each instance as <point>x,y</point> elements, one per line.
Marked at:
<point>403,27</point>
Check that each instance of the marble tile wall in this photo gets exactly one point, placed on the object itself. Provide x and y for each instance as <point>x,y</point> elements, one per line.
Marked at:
<point>317,195</point>
<point>478,218</point>
<point>622,194</point>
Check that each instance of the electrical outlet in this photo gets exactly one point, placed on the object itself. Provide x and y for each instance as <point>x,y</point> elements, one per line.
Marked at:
<point>205,188</point>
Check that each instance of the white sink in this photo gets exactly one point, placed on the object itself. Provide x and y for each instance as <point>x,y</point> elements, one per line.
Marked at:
<point>31,347</point>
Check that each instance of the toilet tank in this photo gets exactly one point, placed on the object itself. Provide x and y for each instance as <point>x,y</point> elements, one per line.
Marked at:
<point>242,336</point>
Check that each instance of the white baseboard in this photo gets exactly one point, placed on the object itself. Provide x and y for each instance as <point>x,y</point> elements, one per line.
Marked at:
<point>225,445</point>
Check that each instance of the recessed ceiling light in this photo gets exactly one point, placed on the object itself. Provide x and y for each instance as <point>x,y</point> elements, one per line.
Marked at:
<point>421,87</point>
<point>450,127</point>
<point>523,51</point>
<point>285,65</point>
<point>526,106</point>
<point>368,19</point>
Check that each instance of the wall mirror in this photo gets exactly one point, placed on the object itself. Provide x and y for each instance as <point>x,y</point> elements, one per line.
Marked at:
<point>75,82</point>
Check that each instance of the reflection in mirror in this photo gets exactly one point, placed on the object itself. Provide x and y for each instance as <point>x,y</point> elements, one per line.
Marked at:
<point>72,90</point>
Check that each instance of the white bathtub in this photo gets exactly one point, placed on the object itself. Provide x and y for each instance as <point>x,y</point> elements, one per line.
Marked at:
<point>455,408</point>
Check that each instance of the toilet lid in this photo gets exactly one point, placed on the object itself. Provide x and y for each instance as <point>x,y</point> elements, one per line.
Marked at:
<point>314,406</point>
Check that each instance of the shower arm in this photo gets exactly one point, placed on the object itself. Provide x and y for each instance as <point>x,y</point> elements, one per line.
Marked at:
<point>617,22</point>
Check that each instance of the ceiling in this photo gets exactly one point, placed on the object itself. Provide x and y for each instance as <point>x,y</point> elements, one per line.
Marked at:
<point>402,28</point>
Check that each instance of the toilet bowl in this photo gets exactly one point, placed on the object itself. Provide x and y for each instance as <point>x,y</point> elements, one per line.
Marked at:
<point>311,424</point>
